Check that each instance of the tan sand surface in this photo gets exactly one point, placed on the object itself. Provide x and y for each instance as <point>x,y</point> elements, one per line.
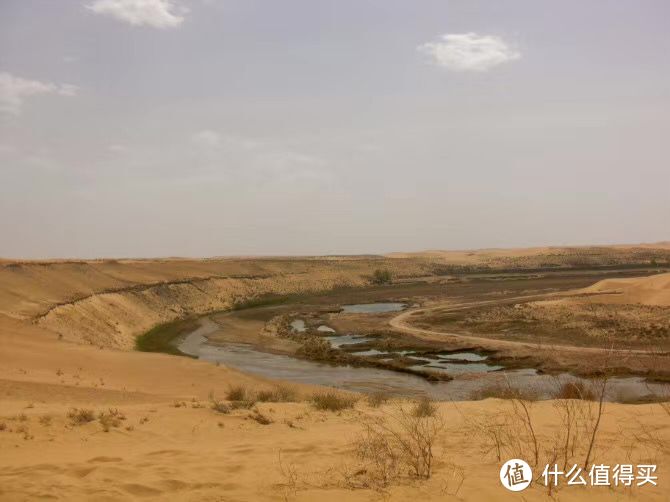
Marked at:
<point>172,446</point>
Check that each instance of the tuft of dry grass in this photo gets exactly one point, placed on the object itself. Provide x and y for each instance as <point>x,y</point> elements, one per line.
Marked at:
<point>424,407</point>
<point>236,393</point>
<point>280,394</point>
<point>110,419</point>
<point>376,399</point>
<point>574,390</point>
<point>80,416</point>
<point>332,401</point>
<point>240,397</point>
<point>260,418</point>
<point>220,406</point>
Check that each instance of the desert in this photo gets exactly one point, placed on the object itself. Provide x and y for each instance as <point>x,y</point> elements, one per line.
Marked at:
<point>85,415</point>
<point>334,250</point>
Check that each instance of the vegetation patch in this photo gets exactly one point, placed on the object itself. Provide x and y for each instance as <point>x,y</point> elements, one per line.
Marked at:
<point>162,338</point>
<point>332,401</point>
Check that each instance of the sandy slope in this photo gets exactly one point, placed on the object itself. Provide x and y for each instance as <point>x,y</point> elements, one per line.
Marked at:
<point>193,453</point>
<point>653,290</point>
<point>109,303</point>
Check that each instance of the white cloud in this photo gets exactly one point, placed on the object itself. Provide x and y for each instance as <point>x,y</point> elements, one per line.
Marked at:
<point>14,90</point>
<point>469,52</point>
<point>155,13</point>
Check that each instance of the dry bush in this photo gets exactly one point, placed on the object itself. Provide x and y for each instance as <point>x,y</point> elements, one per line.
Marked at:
<point>110,419</point>
<point>332,401</point>
<point>3,426</point>
<point>452,483</point>
<point>80,416</point>
<point>236,393</point>
<point>574,390</point>
<point>240,397</point>
<point>424,407</point>
<point>511,431</point>
<point>376,399</point>
<point>260,418</point>
<point>242,405</point>
<point>220,406</point>
<point>280,394</point>
<point>397,442</point>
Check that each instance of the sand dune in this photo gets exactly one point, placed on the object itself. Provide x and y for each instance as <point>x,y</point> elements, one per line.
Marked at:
<point>549,257</point>
<point>653,290</point>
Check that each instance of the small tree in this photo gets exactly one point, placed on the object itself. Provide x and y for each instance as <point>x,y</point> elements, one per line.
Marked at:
<point>381,276</point>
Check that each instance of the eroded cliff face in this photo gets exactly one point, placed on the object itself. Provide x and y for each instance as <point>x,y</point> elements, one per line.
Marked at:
<point>109,303</point>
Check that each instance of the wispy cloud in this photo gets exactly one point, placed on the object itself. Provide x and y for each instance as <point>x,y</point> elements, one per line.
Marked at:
<point>154,13</point>
<point>469,52</point>
<point>14,90</point>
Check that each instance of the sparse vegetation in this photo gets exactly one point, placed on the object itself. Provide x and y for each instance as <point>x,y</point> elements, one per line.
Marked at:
<point>220,406</point>
<point>574,390</point>
<point>162,338</point>
<point>240,397</point>
<point>332,401</point>
<point>424,407</point>
<point>110,419</point>
<point>262,419</point>
<point>80,416</point>
<point>398,442</point>
<point>236,393</point>
<point>279,394</point>
<point>376,399</point>
<point>381,276</point>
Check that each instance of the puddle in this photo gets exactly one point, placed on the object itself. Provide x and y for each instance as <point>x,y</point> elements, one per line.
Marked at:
<point>371,352</point>
<point>457,369</point>
<point>325,329</point>
<point>463,356</point>
<point>337,341</point>
<point>372,308</point>
<point>298,325</point>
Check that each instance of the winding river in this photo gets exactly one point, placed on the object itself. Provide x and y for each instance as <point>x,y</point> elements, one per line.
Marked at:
<point>469,371</point>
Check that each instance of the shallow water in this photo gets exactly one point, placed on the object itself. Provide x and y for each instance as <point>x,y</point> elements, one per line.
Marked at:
<point>463,356</point>
<point>298,325</point>
<point>372,308</point>
<point>361,379</point>
<point>337,341</point>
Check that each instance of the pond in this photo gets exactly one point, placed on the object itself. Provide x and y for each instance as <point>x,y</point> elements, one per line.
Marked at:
<point>372,308</point>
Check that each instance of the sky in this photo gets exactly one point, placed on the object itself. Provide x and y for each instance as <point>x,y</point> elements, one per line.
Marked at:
<point>142,128</point>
